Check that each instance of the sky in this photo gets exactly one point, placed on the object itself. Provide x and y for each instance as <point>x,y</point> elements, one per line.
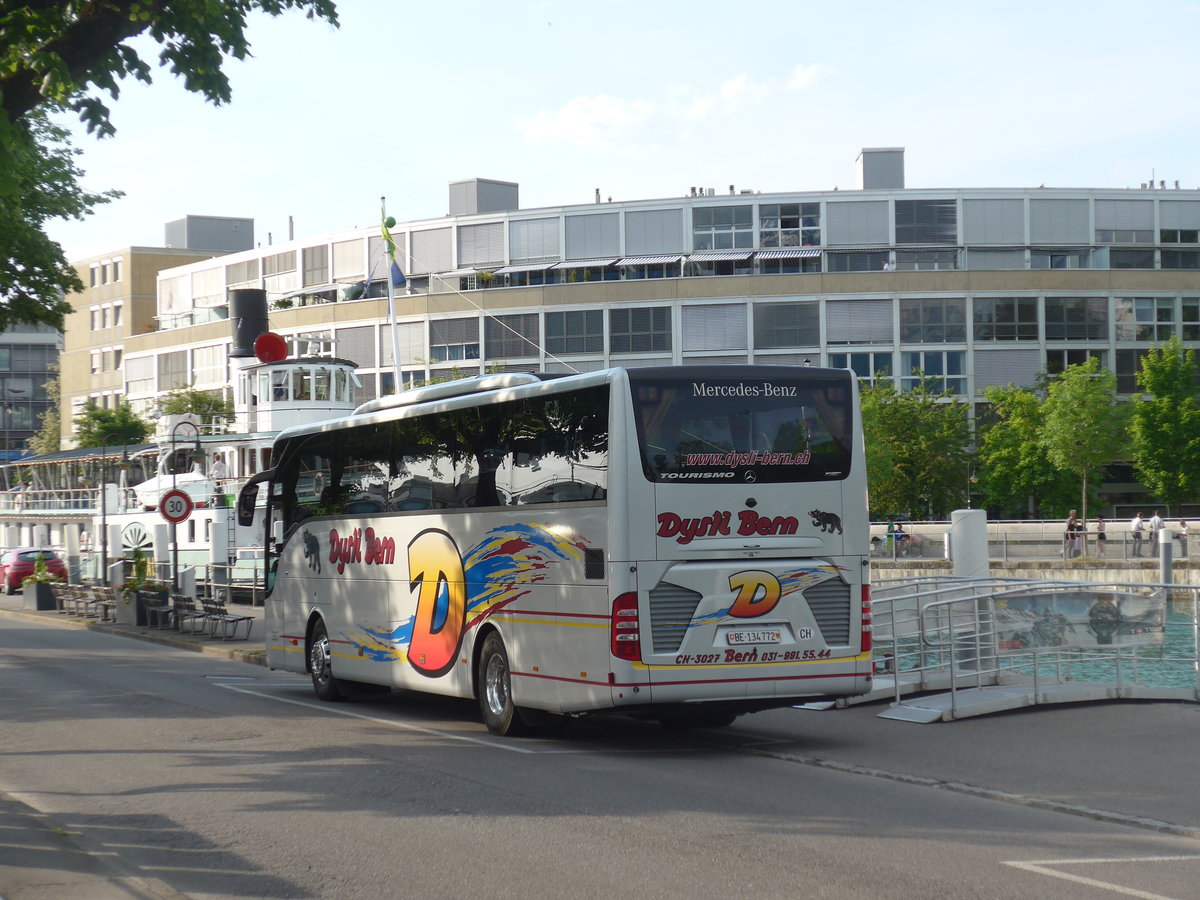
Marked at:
<point>643,99</point>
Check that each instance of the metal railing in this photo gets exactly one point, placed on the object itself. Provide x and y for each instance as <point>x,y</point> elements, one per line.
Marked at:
<point>969,634</point>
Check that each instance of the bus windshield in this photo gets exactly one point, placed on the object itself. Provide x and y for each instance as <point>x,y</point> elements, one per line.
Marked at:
<point>776,428</point>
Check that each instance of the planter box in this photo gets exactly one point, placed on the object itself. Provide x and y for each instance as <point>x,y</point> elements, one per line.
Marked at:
<point>39,596</point>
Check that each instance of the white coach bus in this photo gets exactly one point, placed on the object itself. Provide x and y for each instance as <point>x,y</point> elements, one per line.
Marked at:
<point>686,543</point>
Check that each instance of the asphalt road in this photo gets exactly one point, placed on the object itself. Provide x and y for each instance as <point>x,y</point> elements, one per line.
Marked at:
<point>130,769</point>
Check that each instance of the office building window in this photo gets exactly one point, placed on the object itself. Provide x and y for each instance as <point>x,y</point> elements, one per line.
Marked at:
<point>576,331</point>
<point>1058,360</point>
<point>926,222</point>
<point>1144,318</point>
<point>316,265</point>
<point>1060,259</point>
<point>642,330</point>
<point>1124,235</point>
<point>926,260</point>
<point>945,370</point>
<point>860,261</point>
<point>1179,236</point>
<point>1130,259</point>
<point>243,274</point>
<point>1129,363</point>
<point>506,337</point>
<point>722,228</point>
<point>780,326</point>
<point>1076,319</point>
<point>1005,318</point>
<point>789,224</point>
<point>933,320</point>
<point>1180,259</point>
<point>453,339</point>
<point>869,365</point>
<point>1190,319</point>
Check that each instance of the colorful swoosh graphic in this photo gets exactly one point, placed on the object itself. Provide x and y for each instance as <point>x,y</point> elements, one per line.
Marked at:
<point>500,569</point>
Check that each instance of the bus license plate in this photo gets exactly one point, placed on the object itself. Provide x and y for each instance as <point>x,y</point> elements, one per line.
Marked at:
<point>760,636</point>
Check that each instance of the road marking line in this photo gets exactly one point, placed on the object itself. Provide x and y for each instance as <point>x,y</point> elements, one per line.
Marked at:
<point>1040,867</point>
<point>326,708</point>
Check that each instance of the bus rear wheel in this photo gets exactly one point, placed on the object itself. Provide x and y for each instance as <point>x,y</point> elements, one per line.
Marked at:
<point>321,666</point>
<point>495,690</point>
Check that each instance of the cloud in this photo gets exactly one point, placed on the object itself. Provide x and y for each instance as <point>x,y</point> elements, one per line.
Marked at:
<point>606,122</point>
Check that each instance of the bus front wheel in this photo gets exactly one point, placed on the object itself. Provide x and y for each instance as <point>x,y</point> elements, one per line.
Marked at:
<point>320,665</point>
<point>495,689</point>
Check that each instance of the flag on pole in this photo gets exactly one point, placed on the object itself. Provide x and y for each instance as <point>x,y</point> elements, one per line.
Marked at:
<point>397,275</point>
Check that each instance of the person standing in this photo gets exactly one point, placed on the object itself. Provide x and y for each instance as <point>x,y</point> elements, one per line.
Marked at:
<point>1156,525</point>
<point>1101,537</point>
<point>1182,535</point>
<point>1071,537</point>
<point>1136,526</point>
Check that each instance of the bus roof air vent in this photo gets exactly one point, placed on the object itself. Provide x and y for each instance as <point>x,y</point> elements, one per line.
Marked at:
<point>457,388</point>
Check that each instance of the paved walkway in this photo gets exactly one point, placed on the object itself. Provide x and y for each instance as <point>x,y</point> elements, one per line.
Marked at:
<point>52,866</point>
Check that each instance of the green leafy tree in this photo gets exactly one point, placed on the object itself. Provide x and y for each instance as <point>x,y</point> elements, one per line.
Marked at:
<point>39,181</point>
<point>1015,474</point>
<point>96,426</point>
<point>918,447</point>
<point>1165,424</point>
<point>212,407</point>
<point>63,54</point>
<point>1085,426</point>
<point>49,436</point>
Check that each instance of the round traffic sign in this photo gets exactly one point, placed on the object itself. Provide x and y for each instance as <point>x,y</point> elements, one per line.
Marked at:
<point>175,506</point>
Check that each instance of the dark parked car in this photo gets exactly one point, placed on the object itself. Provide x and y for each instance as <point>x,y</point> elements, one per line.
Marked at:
<point>17,565</point>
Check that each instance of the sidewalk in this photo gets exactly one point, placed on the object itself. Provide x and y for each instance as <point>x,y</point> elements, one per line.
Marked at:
<point>249,650</point>
<point>41,862</point>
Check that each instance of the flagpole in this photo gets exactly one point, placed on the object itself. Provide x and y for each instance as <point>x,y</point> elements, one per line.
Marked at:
<point>391,293</point>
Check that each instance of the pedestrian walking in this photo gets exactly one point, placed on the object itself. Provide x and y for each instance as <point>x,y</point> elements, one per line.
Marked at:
<point>1136,527</point>
<point>1182,535</point>
<point>1101,537</point>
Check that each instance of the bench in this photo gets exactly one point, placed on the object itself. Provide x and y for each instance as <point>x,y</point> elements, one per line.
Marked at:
<point>106,603</point>
<point>158,611</point>
<point>219,617</point>
<point>188,612</point>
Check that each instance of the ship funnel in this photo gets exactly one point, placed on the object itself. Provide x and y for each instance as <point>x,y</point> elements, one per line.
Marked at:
<point>248,316</point>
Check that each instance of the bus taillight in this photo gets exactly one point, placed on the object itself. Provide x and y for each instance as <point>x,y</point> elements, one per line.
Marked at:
<point>625,635</point>
<point>866,619</point>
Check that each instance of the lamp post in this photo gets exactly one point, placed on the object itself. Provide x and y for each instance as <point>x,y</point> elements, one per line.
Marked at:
<point>197,455</point>
<point>104,499</point>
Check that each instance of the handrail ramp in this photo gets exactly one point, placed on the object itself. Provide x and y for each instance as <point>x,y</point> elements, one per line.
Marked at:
<point>950,647</point>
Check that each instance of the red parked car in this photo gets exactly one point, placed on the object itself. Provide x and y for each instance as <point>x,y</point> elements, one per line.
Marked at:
<point>17,565</point>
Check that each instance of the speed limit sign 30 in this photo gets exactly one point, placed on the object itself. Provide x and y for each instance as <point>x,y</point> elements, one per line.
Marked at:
<point>175,506</point>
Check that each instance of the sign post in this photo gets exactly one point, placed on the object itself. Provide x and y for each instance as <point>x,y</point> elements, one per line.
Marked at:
<point>175,506</point>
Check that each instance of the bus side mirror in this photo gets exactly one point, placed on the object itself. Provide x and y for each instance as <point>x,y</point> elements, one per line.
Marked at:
<point>247,498</point>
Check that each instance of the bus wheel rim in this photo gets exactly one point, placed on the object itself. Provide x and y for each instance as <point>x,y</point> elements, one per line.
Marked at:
<point>319,659</point>
<point>496,685</point>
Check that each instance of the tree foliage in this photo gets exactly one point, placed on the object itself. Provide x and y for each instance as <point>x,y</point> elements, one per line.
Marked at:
<point>48,438</point>
<point>64,55</point>
<point>1085,426</point>
<point>918,448</point>
<point>212,407</point>
<point>97,427</point>
<point>1015,474</point>
<point>39,181</point>
<point>1165,424</point>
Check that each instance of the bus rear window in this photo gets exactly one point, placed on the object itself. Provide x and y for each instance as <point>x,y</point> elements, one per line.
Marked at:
<point>749,427</point>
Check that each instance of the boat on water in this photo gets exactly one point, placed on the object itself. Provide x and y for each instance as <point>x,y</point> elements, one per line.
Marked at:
<point>100,503</point>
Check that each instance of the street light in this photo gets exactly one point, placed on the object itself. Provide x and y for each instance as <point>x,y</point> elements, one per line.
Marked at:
<point>123,466</point>
<point>197,455</point>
